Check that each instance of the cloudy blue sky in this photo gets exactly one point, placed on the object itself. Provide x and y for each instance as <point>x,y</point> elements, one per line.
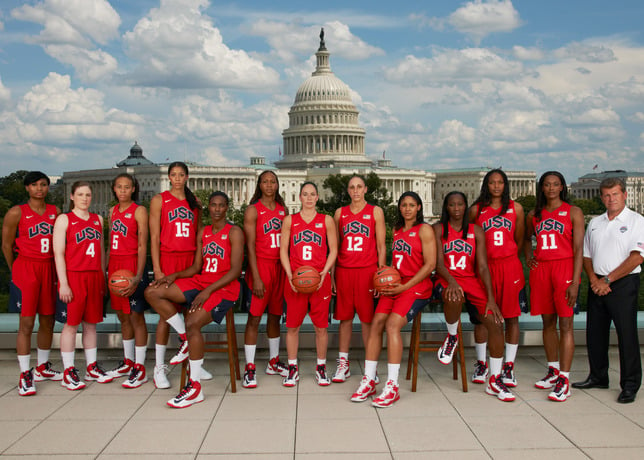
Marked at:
<point>525,84</point>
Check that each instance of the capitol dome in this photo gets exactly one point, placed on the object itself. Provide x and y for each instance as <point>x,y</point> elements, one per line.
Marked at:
<point>323,122</point>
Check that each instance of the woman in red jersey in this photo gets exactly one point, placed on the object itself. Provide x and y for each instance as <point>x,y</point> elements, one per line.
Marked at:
<point>27,232</point>
<point>128,223</point>
<point>503,222</point>
<point>210,286</point>
<point>174,223</point>
<point>80,265</point>
<point>464,279</point>
<point>555,274</point>
<point>308,238</point>
<point>265,276</point>
<point>414,256</point>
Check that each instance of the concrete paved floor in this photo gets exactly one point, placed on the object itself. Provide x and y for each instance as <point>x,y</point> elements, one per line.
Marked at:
<point>308,422</point>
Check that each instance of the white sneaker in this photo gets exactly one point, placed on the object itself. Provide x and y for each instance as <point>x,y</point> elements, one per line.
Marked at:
<point>26,385</point>
<point>496,387</point>
<point>136,378</point>
<point>342,372</point>
<point>45,372</point>
<point>205,375</point>
<point>71,381</point>
<point>182,354</point>
<point>122,370</point>
<point>549,380</point>
<point>191,394</point>
<point>161,377</point>
<point>390,394</point>
<point>561,392</point>
<point>276,367</point>
<point>446,351</point>
<point>507,375</point>
<point>96,373</point>
<point>321,377</point>
<point>367,388</point>
<point>249,381</point>
<point>293,376</point>
<point>480,372</point>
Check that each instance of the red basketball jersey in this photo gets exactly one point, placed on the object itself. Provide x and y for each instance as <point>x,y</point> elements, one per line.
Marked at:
<point>554,234</point>
<point>308,242</point>
<point>268,231</point>
<point>35,232</point>
<point>407,254</point>
<point>178,225</point>
<point>215,250</point>
<point>83,248</point>
<point>459,256</point>
<point>124,234</point>
<point>357,238</point>
<point>499,231</point>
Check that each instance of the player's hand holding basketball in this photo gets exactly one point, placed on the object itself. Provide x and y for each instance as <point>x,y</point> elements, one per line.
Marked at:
<point>393,289</point>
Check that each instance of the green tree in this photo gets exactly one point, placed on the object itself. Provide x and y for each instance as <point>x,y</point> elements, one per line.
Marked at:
<point>529,202</point>
<point>12,188</point>
<point>377,193</point>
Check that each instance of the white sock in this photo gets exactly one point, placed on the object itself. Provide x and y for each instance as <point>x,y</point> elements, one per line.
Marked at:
<point>321,362</point>
<point>176,321</point>
<point>273,347</point>
<point>249,351</point>
<point>392,372</point>
<point>160,354</point>
<point>481,351</point>
<point>495,365</point>
<point>292,362</point>
<point>370,369</point>
<point>43,356</point>
<point>195,369</point>
<point>343,355</point>
<point>68,359</point>
<point>554,364</point>
<point>511,352</point>
<point>452,328</point>
<point>90,356</point>
<point>139,353</point>
<point>23,362</point>
<point>128,349</point>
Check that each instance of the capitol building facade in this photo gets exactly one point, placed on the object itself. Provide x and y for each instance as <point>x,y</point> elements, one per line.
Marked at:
<point>323,138</point>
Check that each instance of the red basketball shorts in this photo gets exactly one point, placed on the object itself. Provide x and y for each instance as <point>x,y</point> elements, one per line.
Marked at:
<point>35,280</point>
<point>354,288</point>
<point>273,277</point>
<point>297,305</point>
<point>507,283</point>
<point>548,283</point>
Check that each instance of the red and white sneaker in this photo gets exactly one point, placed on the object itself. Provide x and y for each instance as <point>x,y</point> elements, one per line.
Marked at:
<point>71,381</point>
<point>480,372</point>
<point>390,394</point>
<point>44,371</point>
<point>561,391</point>
<point>96,372</point>
<point>191,394</point>
<point>496,387</point>
<point>549,380</point>
<point>293,376</point>
<point>122,370</point>
<point>367,388</point>
<point>321,376</point>
<point>276,367</point>
<point>507,375</point>
<point>182,354</point>
<point>342,372</point>
<point>446,351</point>
<point>136,378</point>
<point>250,381</point>
<point>26,385</point>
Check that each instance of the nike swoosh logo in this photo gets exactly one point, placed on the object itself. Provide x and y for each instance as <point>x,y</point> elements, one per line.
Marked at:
<point>327,297</point>
<point>345,215</point>
<point>167,201</point>
<point>568,281</point>
<point>295,225</point>
<point>261,213</point>
<point>74,223</point>
<point>517,281</point>
<point>28,217</point>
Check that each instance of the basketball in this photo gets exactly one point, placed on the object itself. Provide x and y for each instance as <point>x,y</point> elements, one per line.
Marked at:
<point>306,279</point>
<point>118,280</point>
<point>385,277</point>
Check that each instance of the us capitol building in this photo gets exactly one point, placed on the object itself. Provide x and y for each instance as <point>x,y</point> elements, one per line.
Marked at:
<point>323,138</point>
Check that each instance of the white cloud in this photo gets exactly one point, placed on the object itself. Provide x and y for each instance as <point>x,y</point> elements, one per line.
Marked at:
<point>451,66</point>
<point>71,30</point>
<point>527,54</point>
<point>177,46</point>
<point>586,52</point>
<point>481,18</point>
<point>5,95</point>
<point>637,117</point>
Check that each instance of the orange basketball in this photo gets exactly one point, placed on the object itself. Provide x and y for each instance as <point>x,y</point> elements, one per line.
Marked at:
<point>306,279</point>
<point>385,277</point>
<point>118,280</point>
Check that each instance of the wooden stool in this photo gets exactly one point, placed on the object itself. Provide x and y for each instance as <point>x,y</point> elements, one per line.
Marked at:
<point>416,346</point>
<point>218,347</point>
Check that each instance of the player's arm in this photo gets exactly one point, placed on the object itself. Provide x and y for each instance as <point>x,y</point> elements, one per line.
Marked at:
<point>110,238</point>
<point>141,218</point>
<point>519,227</point>
<point>9,229</point>
<point>59,242</point>
<point>332,243</point>
<point>484,274</point>
<point>285,241</point>
<point>191,271</point>
<point>453,292</point>
<point>102,249</point>
<point>577,218</point>
<point>381,234</point>
<point>527,243</point>
<point>250,229</point>
<point>472,213</point>
<point>155,236</point>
